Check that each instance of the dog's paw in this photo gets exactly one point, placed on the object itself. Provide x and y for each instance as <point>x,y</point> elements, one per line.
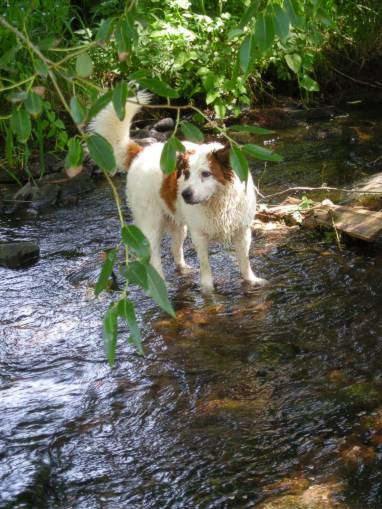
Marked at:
<point>184,268</point>
<point>207,287</point>
<point>257,281</point>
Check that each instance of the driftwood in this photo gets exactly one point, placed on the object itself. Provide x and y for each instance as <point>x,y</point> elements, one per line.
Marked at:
<point>356,222</point>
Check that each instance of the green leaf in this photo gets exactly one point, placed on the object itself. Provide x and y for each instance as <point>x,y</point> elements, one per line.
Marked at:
<point>292,11</point>
<point>125,309</point>
<point>235,32</point>
<point>105,30</point>
<point>101,152</point>
<point>77,110</point>
<point>281,22</point>
<point>9,55</point>
<point>119,99</point>
<point>106,271</point>
<point>17,97</point>
<point>134,239</point>
<point>41,68</point>
<point>191,132</point>
<point>246,52</point>
<point>158,291</point>
<point>33,103</point>
<point>249,129</point>
<point>75,154</point>
<point>264,32</point>
<point>21,125</point>
<point>220,108</point>
<point>159,87</point>
<point>135,273</point>
<point>110,329</point>
<point>178,145</point>
<point>261,153</point>
<point>309,84</point>
<point>238,163</point>
<point>122,37</point>
<point>294,62</point>
<point>100,104</point>
<point>168,157</point>
<point>140,74</point>
<point>84,65</point>
<point>249,13</point>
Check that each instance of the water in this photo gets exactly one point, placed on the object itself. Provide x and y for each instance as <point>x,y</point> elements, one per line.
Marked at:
<point>247,397</point>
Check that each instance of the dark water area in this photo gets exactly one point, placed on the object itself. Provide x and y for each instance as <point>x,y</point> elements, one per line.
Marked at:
<point>251,398</point>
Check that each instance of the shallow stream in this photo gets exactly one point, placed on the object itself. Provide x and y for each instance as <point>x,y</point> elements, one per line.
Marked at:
<point>249,397</point>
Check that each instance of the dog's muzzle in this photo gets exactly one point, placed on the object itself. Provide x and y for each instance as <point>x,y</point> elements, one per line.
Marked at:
<point>188,196</point>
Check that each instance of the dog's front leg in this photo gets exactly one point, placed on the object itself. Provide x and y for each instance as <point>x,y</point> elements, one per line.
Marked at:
<point>201,246</point>
<point>242,243</point>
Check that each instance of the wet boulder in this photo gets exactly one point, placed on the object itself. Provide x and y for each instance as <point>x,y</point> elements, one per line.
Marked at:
<point>18,254</point>
<point>161,136</point>
<point>164,125</point>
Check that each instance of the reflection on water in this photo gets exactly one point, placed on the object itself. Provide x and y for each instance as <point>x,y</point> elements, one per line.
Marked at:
<point>248,396</point>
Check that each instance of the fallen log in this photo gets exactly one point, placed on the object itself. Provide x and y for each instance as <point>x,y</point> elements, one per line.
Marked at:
<point>356,222</point>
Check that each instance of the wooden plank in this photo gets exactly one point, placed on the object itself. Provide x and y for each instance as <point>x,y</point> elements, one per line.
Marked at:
<point>357,222</point>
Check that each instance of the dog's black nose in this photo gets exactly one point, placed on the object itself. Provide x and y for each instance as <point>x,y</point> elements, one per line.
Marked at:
<point>187,195</point>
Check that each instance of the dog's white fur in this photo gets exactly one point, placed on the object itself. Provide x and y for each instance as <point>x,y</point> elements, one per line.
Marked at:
<point>217,210</point>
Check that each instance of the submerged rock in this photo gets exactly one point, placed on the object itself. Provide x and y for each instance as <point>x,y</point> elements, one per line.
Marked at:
<point>165,124</point>
<point>18,254</point>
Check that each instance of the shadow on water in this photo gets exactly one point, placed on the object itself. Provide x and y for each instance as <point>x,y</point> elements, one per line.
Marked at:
<point>248,396</point>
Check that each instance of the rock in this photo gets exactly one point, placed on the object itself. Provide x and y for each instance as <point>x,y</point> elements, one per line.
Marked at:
<point>160,136</point>
<point>138,134</point>
<point>165,124</point>
<point>45,196</point>
<point>18,254</point>
<point>71,189</point>
<point>144,142</point>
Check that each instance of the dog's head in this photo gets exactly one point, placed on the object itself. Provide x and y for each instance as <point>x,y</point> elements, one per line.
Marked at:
<point>203,172</point>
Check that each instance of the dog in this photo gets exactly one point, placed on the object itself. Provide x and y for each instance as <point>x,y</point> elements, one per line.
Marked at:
<point>203,196</point>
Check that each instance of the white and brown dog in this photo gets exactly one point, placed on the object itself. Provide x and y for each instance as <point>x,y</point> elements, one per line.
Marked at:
<point>203,195</point>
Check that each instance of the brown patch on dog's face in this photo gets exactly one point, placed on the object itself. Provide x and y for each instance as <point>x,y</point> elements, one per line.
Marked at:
<point>218,163</point>
<point>133,149</point>
<point>169,188</point>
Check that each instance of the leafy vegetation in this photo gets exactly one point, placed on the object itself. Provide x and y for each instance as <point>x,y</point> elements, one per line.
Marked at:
<point>58,58</point>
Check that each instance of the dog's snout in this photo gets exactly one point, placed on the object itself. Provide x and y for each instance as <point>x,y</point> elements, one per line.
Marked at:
<point>187,195</point>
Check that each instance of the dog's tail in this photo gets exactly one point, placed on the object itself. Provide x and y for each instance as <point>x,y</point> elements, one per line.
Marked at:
<point>117,132</point>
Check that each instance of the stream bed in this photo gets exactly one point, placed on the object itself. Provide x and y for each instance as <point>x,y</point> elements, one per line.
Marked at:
<point>252,398</point>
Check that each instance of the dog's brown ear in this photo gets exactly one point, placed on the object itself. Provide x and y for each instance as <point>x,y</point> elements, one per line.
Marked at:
<point>222,156</point>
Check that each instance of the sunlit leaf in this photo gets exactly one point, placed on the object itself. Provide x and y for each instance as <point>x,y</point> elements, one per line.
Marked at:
<point>100,104</point>
<point>158,87</point>
<point>84,65</point>
<point>309,84</point>
<point>41,68</point>
<point>125,309</point>
<point>134,239</point>
<point>158,291</point>
<point>21,125</point>
<point>77,110</point>
<point>191,132</point>
<point>105,30</point>
<point>110,329</point>
<point>135,273</point>
<point>261,153</point>
<point>294,62</point>
<point>168,157</point>
<point>101,152</point>
<point>250,129</point>
<point>119,99</point>
<point>246,52</point>
<point>33,103</point>
<point>264,32</point>
<point>238,163</point>
<point>249,13</point>
<point>106,271</point>
<point>75,154</point>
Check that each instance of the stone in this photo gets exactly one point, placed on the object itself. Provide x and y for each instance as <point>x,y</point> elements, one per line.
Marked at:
<point>45,196</point>
<point>144,142</point>
<point>138,134</point>
<point>165,124</point>
<point>160,136</point>
<point>70,189</point>
<point>18,254</point>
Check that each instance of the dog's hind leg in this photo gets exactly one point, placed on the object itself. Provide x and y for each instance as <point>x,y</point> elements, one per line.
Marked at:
<point>152,227</point>
<point>178,233</point>
<point>242,243</point>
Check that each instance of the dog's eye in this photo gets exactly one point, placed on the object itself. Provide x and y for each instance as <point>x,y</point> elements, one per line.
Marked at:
<point>186,174</point>
<point>206,174</point>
